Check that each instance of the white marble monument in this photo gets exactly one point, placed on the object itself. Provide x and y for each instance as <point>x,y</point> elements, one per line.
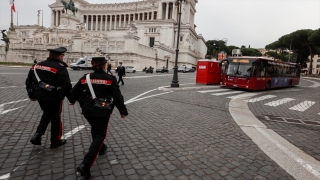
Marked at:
<point>139,34</point>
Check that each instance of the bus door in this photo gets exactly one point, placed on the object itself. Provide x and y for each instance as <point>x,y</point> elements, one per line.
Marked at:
<point>224,66</point>
<point>262,75</point>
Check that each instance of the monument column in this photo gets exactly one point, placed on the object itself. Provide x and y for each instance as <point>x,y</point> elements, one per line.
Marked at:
<point>96,25</point>
<point>159,14</point>
<point>167,10</point>
<point>110,27</point>
<point>91,27</point>
<point>125,20</point>
<point>56,18</point>
<point>129,19</point>
<point>106,23</point>
<point>152,15</point>
<point>120,16</point>
<point>52,18</point>
<point>101,22</point>
<point>174,12</point>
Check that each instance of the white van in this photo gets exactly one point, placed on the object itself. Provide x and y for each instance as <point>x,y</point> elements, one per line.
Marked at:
<point>82,63</point>
<point>183,67</point>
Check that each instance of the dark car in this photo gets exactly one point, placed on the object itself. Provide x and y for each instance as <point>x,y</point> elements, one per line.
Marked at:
<point>188,70</point>
<point>162,70</point>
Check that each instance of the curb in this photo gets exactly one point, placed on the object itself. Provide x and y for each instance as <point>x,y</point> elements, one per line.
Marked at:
<point>167,88</point>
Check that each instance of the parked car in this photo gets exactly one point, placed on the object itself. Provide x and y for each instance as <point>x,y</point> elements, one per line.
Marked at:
<point>162,70</point>
<point>130,69</point>
<point>188,70</point>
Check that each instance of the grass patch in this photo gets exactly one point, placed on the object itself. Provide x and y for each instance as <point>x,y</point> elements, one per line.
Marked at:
<point>15,64</point>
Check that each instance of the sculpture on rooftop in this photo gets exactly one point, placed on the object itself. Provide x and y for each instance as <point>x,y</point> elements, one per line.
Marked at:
<point>69,6</point>
<point>5,39</point>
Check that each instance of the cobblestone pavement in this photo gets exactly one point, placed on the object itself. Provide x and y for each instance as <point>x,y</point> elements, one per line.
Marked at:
<point>176,135</point>
<point>301,128</point>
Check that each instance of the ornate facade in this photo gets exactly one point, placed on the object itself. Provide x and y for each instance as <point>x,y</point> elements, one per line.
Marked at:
<point>142,33</point>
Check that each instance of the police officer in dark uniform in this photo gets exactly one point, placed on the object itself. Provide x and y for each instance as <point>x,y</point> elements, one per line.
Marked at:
<point>49,89</point>
<point>121,72</point>
<point>97,110</point>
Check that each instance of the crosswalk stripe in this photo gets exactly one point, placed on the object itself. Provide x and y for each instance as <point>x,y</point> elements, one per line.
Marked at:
<point>261,98</point>
<point>303,106</point>
<point>243,95</point>
<point>216,90</point>
<point>224,93</point>
<point>279,102</point>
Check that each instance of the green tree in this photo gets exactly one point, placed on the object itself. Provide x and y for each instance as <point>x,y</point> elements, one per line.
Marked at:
<point>214,47</point>
<point>230,48</point>
<point>303,43</point>
<point>250,52</point>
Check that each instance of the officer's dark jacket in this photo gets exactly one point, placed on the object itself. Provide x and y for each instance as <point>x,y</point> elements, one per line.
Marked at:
<point>55,73</point>
<point>104,86</point>
<point>121,70</point>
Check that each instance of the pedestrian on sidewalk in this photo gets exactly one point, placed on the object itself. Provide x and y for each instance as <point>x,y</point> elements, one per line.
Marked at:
<point>48,83</point>
<point>121,72</point>
<point>109,69</point>
<point>97,93</point>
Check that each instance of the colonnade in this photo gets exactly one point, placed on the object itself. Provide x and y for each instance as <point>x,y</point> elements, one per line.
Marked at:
<point>55,17</point>
<point>112,22</point>
<point>169,10</point>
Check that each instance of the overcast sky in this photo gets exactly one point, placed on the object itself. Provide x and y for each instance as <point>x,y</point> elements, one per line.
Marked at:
<point>243,22</point>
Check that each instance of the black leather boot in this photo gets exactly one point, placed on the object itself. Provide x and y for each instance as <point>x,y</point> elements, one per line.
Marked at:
<point>57,144</point>
<point>36,139</point>
<point>103,150</point>
<point>84,171</point>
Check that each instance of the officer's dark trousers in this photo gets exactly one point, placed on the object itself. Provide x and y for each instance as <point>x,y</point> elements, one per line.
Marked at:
<point>109,71</point>
<point>51,113</point>
<point>120,79</point>
<point>99,126</point>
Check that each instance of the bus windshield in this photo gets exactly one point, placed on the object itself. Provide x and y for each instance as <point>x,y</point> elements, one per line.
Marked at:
<point>242,67</point>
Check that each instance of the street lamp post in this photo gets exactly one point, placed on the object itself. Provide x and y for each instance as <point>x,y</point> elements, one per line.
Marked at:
<point>175,82</point>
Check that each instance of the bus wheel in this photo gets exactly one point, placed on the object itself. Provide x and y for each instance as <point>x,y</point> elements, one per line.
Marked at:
<point>268,86</point>
<point>290,84</point>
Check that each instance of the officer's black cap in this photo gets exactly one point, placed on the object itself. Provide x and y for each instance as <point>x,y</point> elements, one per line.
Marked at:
<point>100,60</point>
<point>59,50</point>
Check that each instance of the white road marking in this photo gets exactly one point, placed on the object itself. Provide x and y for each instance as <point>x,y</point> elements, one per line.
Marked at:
<point>132,99</point>
<point>2,111</point>
<point>303,106</point>
<point>8,87</point>
<point>296,162</point>
<point>279,102</point>
<point>243,95</point>
<point>6,176</point>
<point>315,83</point>
<point>6,111</point>
<point>14,102</point>
<point>70,133</point>
<point>261,98</point>
<point>215,90</point>
<point>147,97</point>
<point>224,93</point>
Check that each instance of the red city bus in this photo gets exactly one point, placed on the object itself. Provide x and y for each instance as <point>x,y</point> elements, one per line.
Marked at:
<point>259,73</point>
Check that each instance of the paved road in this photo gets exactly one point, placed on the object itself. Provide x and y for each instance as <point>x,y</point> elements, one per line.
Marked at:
<point>167,135</point>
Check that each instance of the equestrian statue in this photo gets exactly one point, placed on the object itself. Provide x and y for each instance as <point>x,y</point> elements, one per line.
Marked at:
<point>5,39</point>
<point>69,6</point>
